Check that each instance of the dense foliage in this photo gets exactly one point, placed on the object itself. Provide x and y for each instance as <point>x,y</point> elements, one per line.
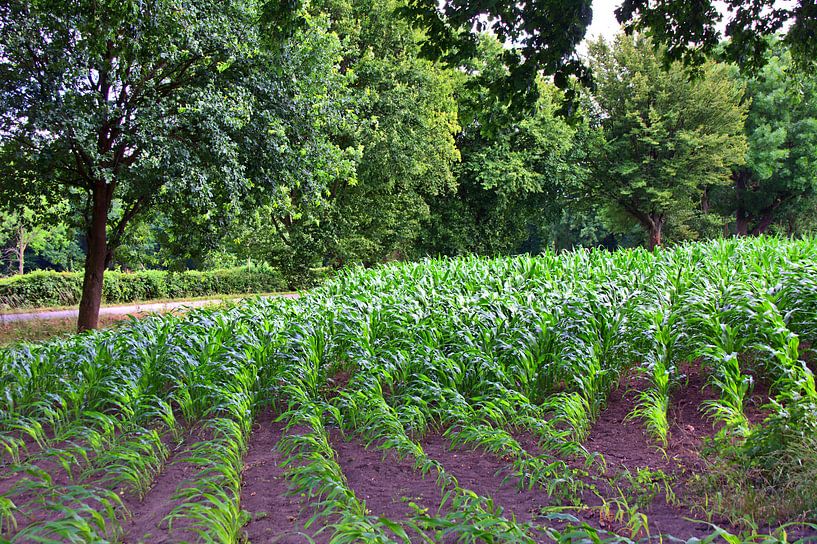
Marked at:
<point>666,141</point>
<point>511,170</point>
<point>690,30</point>
<point>657,156</point>
<point>475,348</point>
<point>192,107</point>
<point>777,185</point>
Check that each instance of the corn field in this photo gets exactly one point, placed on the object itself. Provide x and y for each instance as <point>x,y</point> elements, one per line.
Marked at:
<point>515,358</point>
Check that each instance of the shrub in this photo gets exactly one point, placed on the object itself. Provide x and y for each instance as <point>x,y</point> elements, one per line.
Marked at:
<point>46,288</point>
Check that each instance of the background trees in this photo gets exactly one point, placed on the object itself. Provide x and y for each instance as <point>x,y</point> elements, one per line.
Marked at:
<point>666,139</point>
<point>777,183</point>
<point>515,163</point>
<point>21,232</point>
<point>401,122</point>
<point>407,115</point>
<point>198,133</point>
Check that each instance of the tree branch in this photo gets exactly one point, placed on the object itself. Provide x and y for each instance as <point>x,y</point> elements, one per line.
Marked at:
<point>116,237</point>
<point>280,232</point>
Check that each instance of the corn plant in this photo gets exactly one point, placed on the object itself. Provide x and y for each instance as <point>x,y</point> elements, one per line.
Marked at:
<point>475,349</point>
<point>80,513</point>
<point>663,339</point>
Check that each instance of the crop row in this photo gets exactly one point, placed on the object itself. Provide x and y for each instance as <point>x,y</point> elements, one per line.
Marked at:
<point>479,350</point>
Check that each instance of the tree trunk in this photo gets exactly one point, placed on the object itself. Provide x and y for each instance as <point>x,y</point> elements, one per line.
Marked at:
<point>21,250</point>
<point>741,215</point>
<point>741,223</point>
<point>655,237</point>
<point>656,224</point>
<point>652,222</point>
<point>96,259</point>
<point>765,222</point>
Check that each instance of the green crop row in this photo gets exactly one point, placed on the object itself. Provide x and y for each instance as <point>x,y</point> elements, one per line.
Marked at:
<point>474,351</point>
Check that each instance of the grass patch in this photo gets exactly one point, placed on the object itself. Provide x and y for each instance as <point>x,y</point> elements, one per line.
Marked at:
<point>43,329</point>
<point>734,488</point>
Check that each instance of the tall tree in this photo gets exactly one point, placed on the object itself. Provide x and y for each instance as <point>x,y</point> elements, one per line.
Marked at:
<point>779,180</point>
<point>408,115</point>
<point>182,103</point>
<point>402,127</point>
<point>666,139</point>
<point>514,165</point>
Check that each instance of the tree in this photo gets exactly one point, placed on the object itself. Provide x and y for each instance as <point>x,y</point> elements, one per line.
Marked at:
<point>408,121</point>
<point>687,30</point>
<point>186,104</point>
<point>515,164</point>
<point>402,127</point>
<point>21,231</point>
<point>46,234</point>
<point>779,180</point>
<point>666,139</point>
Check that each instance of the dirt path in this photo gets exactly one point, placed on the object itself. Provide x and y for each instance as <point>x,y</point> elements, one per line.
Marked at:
<point>275,514</point>
<point>146,520</point>
<point>140,308</point>
<point>627,449</point>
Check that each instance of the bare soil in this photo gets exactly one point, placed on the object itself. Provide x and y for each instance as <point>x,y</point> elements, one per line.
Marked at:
<point>276,515</point>
<point>146,520</point>
<point>386,483</point>
<point>627,448</point>
<point>389,485</point>
<point>486,475</point>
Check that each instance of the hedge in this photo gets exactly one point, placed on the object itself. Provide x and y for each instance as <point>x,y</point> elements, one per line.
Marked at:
<point>46,288</point>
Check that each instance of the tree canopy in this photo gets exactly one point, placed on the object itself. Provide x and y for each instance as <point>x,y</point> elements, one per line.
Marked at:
<point>514,164</point>
<point>779,180</point>
<point>688,30</point>
<point>187,105</point>
<point>666,139</point>
<point>542,36</point>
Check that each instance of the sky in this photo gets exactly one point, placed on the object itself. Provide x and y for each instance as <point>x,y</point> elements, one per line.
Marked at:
<point>604,20</point>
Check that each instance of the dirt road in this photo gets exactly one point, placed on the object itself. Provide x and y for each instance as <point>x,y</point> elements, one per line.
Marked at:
<point>142,308</point>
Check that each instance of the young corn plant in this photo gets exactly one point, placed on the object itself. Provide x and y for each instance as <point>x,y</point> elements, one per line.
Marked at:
<point>477,348</point>
<point>132,464</point>
<point>72,513</point>
<point>211,505</point>
<point>8,519</point>
<point>313,471</point>
<point>659,367</point>
<point>361,409</point>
